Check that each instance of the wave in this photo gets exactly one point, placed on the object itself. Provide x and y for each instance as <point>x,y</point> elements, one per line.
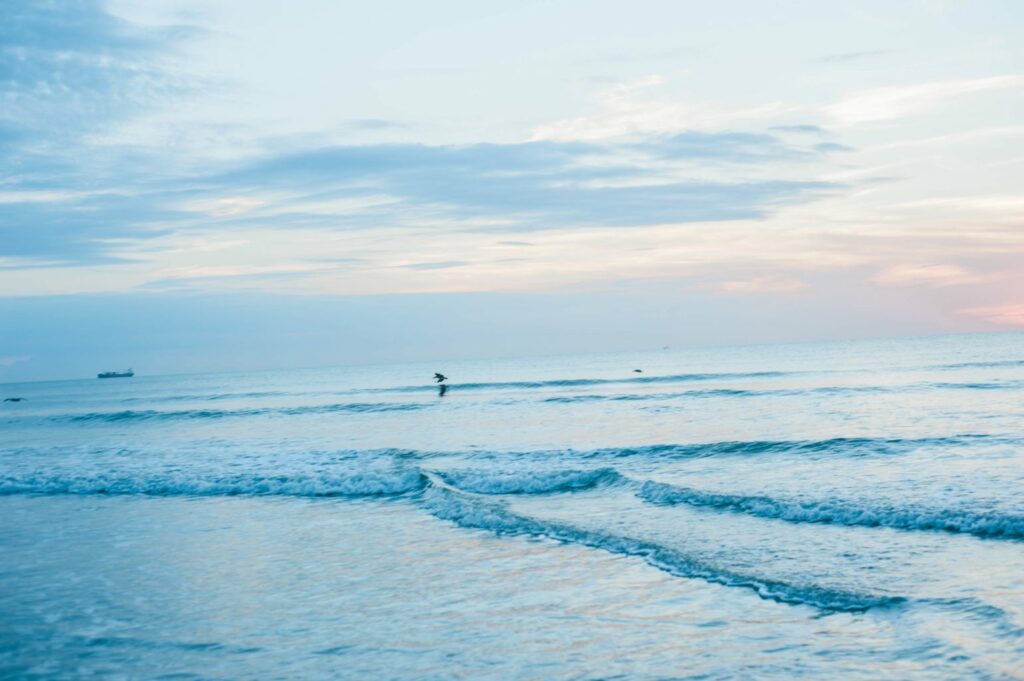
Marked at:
<point>450,504</point>
<point>842,446</point>
<point>787,392</point>
<point>979,385</point>
<point>481,385</point>
<point>837,445</point>
<point>576,382</point>
<point>190,414</point>
<point>354,483</point>
<point>978,610</point>
<point>717,392</point>
<point>529,482</point>
<point>854,446</point>
<point>617,397</point>
<point>994,364</point>
<point>214,397</point>
<point>393,476</point>
<point>987,525</point>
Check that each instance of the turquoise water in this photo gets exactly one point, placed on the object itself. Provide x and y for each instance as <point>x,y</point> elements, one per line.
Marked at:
<point>808,511</point>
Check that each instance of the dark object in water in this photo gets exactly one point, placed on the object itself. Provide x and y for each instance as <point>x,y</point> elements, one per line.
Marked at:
<point>441,390</point>
<point>128,373</point>
<point>638,371</point>
<point>440,378</point>
<point>14,399</point>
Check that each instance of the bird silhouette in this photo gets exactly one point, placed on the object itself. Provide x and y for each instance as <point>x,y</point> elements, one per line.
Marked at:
<point>440,378</point>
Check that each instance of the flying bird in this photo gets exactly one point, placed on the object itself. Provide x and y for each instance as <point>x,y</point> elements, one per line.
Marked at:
<point>440,378</point>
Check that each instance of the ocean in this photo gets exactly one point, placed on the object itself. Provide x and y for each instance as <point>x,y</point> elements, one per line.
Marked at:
<point>811,511</point>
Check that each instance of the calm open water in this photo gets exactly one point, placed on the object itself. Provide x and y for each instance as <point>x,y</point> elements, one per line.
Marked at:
<point>809,511</point>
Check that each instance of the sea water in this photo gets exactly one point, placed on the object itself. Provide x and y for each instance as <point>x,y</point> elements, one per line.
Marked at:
<point>845,510</point>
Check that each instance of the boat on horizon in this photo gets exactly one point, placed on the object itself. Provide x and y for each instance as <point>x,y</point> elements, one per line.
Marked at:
<point>127,373</point>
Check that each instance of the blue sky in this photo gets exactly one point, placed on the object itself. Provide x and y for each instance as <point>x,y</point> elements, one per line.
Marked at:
<point>185,172</point>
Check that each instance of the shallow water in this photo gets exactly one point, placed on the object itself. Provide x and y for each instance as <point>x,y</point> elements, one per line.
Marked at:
<point>809,511</point>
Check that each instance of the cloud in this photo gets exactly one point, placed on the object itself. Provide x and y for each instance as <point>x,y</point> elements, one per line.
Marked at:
<point>11,360</point>
<point>498,187</point>
<point>831,147</point>
<point>734,147</point>
<point>80,229</point>
<point>802,129</point>
<point>886,103</point>
<point>627,109</point>
<point>231,277</point>
<point>927,275</point>
<point>758,285</point>
<point>1003,315</point>
<point>533,185</point>
<point>69,69</point>
<point>529,187</point>
<point>69,65</point>
<point>441,265</point>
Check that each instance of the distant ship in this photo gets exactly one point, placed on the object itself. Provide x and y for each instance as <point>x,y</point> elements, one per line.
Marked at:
<point>128,373</point>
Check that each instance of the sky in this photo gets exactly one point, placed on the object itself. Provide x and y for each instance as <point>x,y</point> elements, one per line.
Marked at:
<point>235,184</point>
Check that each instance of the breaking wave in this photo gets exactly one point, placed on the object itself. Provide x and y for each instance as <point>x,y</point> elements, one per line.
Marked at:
<point>449,504</point>
<point>836,445</point>
<point>352,483</point>
<point>988,525</point>
<point>529,482</point>
<point>352,479</point>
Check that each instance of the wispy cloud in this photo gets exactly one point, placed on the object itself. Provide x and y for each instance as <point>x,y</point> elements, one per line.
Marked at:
<point>72,65</point>
<point>68,65</point>
<point>439,265</point>
<point>529,186</point>
<point>886,103</point>
<point>803,128</point>
<point>758,286</point>
<point>1004,315</point>
<point>928,275</point>
<point>733,191</point>
<point>630,109</point>
<point>69,69</point>
<point>536,185</point>
<point>80,230</point>
<point>735,147</point>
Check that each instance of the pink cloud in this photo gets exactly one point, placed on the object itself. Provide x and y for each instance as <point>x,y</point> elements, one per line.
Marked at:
<point>928,275</point>
<point>1004,315</point>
